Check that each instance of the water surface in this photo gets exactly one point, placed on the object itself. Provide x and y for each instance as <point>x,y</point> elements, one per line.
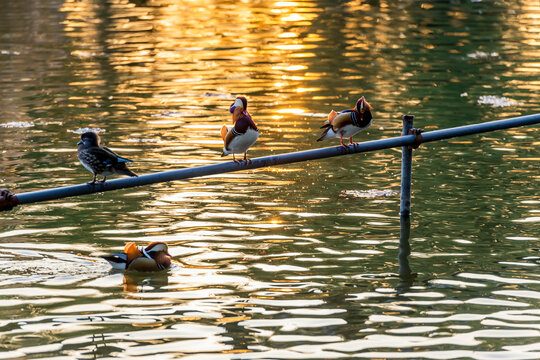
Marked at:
<point>289,262</point>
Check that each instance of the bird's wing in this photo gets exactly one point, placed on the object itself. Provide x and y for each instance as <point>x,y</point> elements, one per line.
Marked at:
<point>118,157</point>
<point>103,156</point>
<point>132,251</point>
<point>143,264</point>
<point>231,134</point>
<point>341,119</point>
<point>331,117</point>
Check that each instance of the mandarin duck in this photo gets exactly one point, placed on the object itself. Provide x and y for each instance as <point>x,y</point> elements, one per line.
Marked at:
<point>244,132</point>
<point>347,123</point>
<point>155,257</point>
<point>100,160</point>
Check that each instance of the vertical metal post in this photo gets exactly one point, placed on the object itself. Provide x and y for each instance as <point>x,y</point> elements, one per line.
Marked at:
<point>405,210</point>
<point>406,169</point>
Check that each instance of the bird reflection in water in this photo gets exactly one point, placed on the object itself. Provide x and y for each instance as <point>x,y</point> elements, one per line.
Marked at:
<point>137,282</point>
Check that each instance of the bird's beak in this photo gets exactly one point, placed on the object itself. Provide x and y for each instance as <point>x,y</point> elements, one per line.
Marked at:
<point>80,142</point>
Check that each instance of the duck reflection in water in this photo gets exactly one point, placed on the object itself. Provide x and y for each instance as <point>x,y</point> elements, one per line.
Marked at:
<point>140,282</point>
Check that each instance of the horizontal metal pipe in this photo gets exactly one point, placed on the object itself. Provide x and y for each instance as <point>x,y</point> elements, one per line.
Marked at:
<point>480,128</point>
<point>62,192</point>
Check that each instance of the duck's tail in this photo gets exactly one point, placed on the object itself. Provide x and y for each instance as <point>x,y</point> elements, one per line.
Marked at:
<point>324,135</point>
<point>122,169</point>
<point>117,261</point>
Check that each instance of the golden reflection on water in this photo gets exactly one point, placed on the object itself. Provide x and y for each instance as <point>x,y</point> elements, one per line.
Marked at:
<point>195,67</point>
<point>159,44</point>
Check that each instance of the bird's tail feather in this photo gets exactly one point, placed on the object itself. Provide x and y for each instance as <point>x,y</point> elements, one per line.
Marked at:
<point>122,169</point>
<point>323,135</point>
<point>117,261</point>
<point>129,173</point>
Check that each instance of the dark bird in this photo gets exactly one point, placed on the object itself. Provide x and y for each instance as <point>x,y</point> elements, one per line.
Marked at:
<point>154,257</point>
<point>347,123</point>
<point>100,160</point>
<point>244,132</point>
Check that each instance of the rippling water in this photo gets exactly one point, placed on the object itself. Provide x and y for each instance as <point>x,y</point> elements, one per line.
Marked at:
<point>292,262</point>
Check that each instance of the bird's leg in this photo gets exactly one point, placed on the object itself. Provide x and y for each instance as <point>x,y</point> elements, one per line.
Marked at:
<point>341,140</point>
<point>351,142</point>
<point>234,159</point>
<point>93,181</point>
<point>104,178</point>
<point>248,161</point>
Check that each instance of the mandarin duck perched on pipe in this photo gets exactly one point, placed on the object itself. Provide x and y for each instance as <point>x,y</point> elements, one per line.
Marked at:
<point>154,257</point>
<point>244,132</point>
<point>347,123</point>
<point>100,160</point>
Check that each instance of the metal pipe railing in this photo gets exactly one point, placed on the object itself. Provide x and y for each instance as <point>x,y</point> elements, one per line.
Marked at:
<point>315,154</point>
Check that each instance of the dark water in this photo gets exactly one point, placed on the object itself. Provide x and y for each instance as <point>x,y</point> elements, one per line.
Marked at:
<point>290,262</point>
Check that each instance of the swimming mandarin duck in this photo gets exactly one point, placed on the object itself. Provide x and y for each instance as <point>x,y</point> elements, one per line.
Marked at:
<point>243,134</point>
<point>155,257</point>
<point>100,160</point>
<point>347,123</point>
